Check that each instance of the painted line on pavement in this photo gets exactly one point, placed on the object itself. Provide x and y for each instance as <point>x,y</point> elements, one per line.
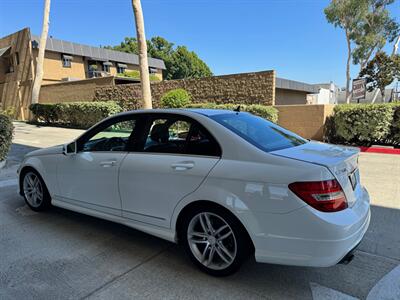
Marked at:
<point>320,292</point>
<point>388,287</point>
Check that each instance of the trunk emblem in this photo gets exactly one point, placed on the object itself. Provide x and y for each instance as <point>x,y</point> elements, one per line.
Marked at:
<point>341,171</point>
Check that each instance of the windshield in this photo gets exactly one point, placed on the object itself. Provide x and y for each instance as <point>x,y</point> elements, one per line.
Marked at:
<point>261,133</point>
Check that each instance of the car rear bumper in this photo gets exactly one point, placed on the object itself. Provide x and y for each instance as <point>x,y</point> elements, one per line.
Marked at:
<point>307,237</point>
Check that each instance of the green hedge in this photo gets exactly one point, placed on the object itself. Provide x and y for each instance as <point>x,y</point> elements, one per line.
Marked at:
<point>135,74</point>
<point>74,114</point>
<point>6,134</point>
<point>175,99</point>
<point>365,124</point>
<point>395,128</point>
<point>267,112</point>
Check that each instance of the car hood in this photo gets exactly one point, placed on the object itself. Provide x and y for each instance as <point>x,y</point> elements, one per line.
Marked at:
<point>319,153</point>
<point>46,151</point>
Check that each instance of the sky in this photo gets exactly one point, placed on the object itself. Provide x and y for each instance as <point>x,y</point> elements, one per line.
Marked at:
<point>231,36</point>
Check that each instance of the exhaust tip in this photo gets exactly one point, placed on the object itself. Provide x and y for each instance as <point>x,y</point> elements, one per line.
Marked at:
<point>347,259</point>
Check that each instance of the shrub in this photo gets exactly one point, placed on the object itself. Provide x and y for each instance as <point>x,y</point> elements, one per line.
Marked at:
<point>135,74</point>
<point>47,113</point>
<point>267,112</point>
<point>154,78</point>
<point>131,74</point>
<point>395,128</point>
<point>6,133</point>
<point>74,114</point>
<point>364,123</point>
<point>9,112</point>
<point>175,98</point>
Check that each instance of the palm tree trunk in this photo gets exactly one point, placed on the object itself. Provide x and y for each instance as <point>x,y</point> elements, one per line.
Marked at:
<point>42,46</point>
<point>348,95</point>
<point>143,62</point>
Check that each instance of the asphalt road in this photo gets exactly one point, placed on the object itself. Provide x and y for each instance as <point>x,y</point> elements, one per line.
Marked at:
<point>64,255</point>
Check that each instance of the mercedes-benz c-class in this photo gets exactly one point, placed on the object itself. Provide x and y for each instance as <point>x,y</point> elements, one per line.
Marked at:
<point>226,185</point>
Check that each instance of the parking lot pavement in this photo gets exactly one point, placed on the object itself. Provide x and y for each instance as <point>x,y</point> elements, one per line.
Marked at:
<point>64,255</point>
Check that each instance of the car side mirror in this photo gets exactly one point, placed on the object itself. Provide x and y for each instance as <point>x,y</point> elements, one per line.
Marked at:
<point>70,149</point>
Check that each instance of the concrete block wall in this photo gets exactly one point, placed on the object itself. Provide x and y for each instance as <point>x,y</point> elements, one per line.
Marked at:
<point>307,121</point>
<point>246,88</point>
<point>72,91</point>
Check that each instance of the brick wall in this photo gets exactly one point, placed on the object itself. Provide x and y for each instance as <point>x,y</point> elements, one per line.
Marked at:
<point>306,120</point>
<point>246,88</point>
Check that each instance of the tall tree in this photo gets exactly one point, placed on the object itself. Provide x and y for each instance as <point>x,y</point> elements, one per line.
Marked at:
<point>142,47</point>
<point>381,71</point>
<point>186,64</point>
<point>40,58</point>
<point>179,61</point>
<point>129,45</point>
<point>348,15</point>
<point>374,32</point>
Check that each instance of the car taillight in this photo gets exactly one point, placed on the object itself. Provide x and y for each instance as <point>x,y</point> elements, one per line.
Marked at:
<point>326,196</point>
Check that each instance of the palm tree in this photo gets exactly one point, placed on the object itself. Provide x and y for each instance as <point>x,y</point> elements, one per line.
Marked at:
<point>42,46</point>
<point>143,63</point>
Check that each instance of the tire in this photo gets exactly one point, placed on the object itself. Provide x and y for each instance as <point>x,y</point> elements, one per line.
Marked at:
<point>222,250</point>
<point>35,192</point>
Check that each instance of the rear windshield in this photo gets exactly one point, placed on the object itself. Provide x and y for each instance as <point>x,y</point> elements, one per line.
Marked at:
<point>261,133</point>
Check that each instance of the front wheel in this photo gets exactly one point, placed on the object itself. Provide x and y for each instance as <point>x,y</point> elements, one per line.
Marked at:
<point>215,241</point>
<point>35,191</point>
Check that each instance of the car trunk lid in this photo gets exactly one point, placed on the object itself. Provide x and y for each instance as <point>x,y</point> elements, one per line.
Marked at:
<point>341,161</point>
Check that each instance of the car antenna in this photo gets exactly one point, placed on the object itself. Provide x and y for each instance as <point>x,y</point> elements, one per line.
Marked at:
<point>237,109</point>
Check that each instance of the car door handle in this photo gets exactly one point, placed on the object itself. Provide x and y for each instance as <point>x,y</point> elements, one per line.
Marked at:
<point>182,166</point>
<point>108,163</point>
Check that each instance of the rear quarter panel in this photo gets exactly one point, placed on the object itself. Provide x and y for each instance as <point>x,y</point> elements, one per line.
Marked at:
<point>245,187</point>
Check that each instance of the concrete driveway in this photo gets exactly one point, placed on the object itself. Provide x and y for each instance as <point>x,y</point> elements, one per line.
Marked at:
<point>64,255</point>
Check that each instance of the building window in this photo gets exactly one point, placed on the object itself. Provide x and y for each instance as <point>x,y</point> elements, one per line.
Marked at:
<point>10,65</point>
<point>152,70</point>
<point>106,66</point>
<point>121,68</point>
<point>66,61</point>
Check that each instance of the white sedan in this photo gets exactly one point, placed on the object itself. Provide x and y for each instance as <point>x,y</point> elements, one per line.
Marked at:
<point>224,184</point>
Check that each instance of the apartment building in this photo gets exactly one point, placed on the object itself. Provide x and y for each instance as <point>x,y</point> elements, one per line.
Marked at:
<point>66,61</point>
<point>63,61</point>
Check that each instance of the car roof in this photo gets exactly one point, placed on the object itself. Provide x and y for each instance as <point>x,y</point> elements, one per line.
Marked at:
<point>210,112</point>
<point>202,111</point>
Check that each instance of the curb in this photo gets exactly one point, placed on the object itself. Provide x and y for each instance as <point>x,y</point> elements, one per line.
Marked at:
<point>380,150</point>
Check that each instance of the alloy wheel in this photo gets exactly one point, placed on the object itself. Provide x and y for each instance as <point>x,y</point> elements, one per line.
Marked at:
<point>33,189</point>
<point>212,241</point>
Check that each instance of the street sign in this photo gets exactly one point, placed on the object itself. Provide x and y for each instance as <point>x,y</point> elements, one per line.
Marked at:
<point>359,89</point>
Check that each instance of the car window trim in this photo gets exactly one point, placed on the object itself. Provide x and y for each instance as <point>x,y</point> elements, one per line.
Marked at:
<point>105,124</point>
<point>149,117</point>
<point>173,154</point>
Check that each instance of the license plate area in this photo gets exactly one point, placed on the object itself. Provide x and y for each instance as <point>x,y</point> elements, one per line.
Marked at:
<point>354,178</point>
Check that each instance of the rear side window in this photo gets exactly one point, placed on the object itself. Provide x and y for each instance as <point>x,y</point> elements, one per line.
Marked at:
<point>172,134</point>
<point>201,142</point>
<point>263,134</point>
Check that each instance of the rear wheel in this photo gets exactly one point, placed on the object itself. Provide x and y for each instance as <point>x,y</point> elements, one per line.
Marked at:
<point>215,240</point>
<point>35,192</point>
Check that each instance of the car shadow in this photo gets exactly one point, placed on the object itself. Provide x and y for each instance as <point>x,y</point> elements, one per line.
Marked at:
<point>377,255</point>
